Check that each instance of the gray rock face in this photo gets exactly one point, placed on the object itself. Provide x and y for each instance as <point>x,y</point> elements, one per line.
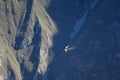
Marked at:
<point>26,33</point>
<point>35,33</point>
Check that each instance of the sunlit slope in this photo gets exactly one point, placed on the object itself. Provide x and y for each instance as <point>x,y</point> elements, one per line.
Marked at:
<point>21,23</point>
<point>8,61</point>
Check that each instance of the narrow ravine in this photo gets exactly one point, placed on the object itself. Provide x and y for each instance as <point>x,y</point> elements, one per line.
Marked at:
<point>22,27</point>
<point>34,57</point>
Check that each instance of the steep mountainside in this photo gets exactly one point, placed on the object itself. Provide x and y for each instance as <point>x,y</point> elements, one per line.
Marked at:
<point>26,32</point>
<point>59,40</point>
<point>93,51</point>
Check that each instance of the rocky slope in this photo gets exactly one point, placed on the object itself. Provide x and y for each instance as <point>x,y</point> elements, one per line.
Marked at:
<point>34,34</point>
<point>26,32</point>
